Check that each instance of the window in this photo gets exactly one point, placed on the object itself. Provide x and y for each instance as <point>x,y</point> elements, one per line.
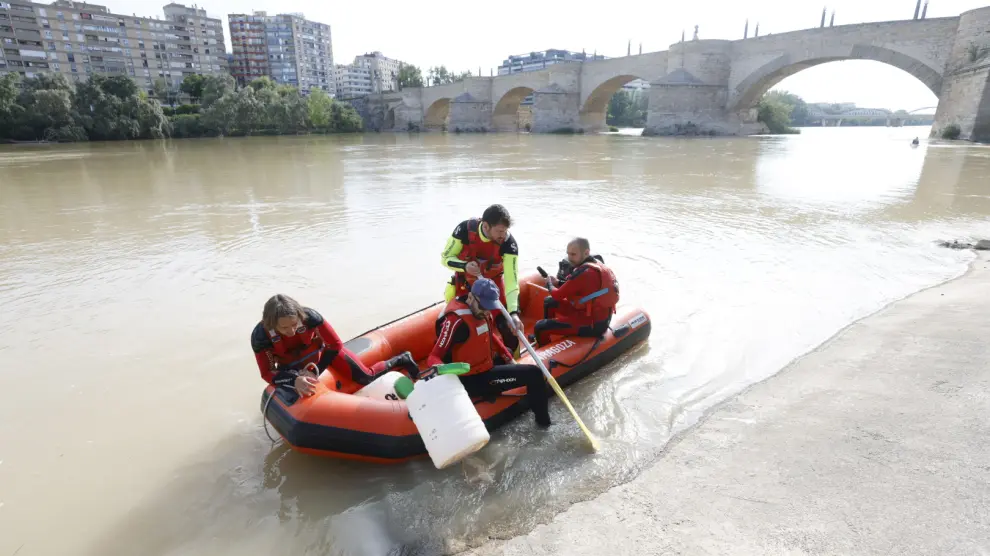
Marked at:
<point>51,46</point>
<point>48,35</point>
<point>73,68</point>
<point>56,66</point>
<point>68,46</point>
<point>72,57</point>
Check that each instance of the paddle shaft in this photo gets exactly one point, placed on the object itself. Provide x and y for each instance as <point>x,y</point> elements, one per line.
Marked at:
<point>553,382</point>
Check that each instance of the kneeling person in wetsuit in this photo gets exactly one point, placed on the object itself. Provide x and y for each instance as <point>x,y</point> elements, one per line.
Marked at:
<point>294,344</point>
<point>583,302</point>
<point>466,333</point>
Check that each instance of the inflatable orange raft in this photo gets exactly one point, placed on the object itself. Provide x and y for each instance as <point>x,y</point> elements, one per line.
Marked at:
<point>335,424</point>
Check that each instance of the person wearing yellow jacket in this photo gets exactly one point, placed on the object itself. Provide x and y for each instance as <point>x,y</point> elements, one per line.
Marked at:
<point>484,248</point>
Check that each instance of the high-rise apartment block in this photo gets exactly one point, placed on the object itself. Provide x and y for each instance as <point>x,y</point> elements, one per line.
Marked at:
<point>370,73</point>
<point>289,48</point>
<point>79,39</point>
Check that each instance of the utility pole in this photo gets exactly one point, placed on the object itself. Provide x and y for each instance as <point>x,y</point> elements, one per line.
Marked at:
<point>917,8</point>
<point>831,23</point>
<point>823,15</point>
<point>924,12</point>
<point>746,30</point>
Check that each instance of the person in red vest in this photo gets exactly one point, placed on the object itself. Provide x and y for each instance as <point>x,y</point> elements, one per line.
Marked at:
<point>466,333</point>
<point>484,248</point>
<point>294,344</point>
<point>583,302</point>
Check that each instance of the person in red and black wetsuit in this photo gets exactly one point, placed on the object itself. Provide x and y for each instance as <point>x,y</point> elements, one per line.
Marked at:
<point>583,302</point>
<point>484,248</point>
<point>466,333</point>
<point>294,344</point>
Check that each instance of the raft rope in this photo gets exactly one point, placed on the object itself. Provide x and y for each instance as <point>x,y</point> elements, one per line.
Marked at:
<point>264,410</point>
<point>264,417</point>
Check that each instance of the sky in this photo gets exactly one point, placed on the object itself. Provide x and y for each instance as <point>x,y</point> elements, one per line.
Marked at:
<point>479,35</point>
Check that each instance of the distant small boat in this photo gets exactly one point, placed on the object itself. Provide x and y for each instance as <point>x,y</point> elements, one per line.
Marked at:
<point>915,143</point>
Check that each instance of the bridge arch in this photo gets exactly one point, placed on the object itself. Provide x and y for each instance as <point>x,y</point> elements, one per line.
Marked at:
<point>437,114</point>
<point>595,107</point>
<point>751,87</point>
<point>507,116</point>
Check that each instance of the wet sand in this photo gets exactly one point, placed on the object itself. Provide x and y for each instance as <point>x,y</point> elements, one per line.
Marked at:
<point>875,443</point>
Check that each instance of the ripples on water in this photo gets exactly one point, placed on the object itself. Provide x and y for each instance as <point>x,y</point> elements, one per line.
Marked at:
<point>133,282</point>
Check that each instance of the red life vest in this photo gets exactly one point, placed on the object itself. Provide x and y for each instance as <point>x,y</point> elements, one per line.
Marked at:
<point>477,349</point>
<point>599,304</point>
<point>297,351</point>
<point>487,254</point>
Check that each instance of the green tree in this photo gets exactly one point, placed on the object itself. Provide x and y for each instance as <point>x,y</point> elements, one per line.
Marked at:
<point>410,76</point>
<point>44,110</point>
<point>320,106</point>
<point>627,109</point>
<point>440,76</point>
<point>263,83</point>
<point>10,85</point>
<point>344,118</point>
<point>214,87</point>
<point>799,108</point>
<point>463,75</point>
<point>112,108</point>
<point>775,113</point>
<point>193,85</point>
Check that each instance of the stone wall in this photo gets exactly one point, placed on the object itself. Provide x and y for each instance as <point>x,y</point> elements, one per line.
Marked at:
<point>688,110</point>
<point>556,110</point>
<point>965,99</point>
<point>467,114</point>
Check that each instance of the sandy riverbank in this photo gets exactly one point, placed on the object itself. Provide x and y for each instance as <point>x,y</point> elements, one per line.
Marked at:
<point>876,443</point>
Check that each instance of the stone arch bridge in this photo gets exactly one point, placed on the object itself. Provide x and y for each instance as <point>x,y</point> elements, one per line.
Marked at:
<point>711,87</point>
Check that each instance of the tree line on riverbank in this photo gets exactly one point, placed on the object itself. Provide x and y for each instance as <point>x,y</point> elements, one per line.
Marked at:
<point>48,107</point>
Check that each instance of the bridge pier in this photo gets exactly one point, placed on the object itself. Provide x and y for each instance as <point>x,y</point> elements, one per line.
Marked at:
<point>965,98</point>
<point>692,97</point>
<point>468,114</point>
<point>556,110</point>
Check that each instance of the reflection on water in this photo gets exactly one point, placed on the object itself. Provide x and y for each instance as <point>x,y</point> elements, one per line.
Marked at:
<point>132,274</point>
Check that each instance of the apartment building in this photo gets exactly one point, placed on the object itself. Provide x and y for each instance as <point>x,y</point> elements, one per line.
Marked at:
<point>289,48</point>
<point>352,81</point>
<point>370,73</point>
<point>79,39</point>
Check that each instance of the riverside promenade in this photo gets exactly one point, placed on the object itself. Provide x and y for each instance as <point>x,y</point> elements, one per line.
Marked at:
<point>878,442</point>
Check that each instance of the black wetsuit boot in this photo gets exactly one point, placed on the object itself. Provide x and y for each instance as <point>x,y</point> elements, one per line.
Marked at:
<point>405,362</point>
